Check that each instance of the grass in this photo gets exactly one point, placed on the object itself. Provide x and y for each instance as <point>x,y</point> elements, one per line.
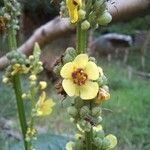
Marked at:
<point>129,119</point>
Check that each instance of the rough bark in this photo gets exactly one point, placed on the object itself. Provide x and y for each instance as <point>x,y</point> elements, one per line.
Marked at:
<point>120,10</point>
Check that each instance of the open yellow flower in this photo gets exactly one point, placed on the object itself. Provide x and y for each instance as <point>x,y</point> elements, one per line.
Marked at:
<point>73,9</point>
<point>79,77</point>
<point>43,106</point>
<point>17,68</point>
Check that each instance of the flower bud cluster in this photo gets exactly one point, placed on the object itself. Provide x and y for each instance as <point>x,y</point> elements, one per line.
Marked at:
<point>99,15</point>
<point>11,12</point>
<point>90,13</point>
<point>63,9</point>
<point>18,64</point>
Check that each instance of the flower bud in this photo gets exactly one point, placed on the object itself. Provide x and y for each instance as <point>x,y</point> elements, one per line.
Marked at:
<point>96,111</point>
<point>105,143</point>
<point>24,96</point>
<point>102,80</point>
<point>31,57</point>
<point>71,51</point>
<point>85,25</point>
<point>33,78</point>
<point>84,111</point>
<point>104,19</point>
<point>98,142</point>
<point>99,120</point>
<point>43,85</point>
<point>13,61</point>
<point>67,58</point>
<point>81,14</point>
<point>92,59</point>
<point>57,69</point>
<point>72,111</point>
<point>5,80</point>
<point>87,127</point>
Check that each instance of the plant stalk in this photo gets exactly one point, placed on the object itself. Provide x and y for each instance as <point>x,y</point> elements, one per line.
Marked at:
<point>18,90</point>
<point>81,39</point>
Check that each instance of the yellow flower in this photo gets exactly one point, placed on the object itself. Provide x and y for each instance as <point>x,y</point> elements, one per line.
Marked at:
<point>17,68</point>
<point>73,9</point>
<point>79,76</point>
<point>44,107</point>
<point>113,141</point>
<point>69,145</point>
<point>103,95</point>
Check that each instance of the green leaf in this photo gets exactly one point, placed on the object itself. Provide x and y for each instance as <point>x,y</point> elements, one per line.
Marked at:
<point>46,142</point>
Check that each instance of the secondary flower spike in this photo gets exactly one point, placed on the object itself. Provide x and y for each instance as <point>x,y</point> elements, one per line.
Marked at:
<point>80,77</point>
<point>73,9</point>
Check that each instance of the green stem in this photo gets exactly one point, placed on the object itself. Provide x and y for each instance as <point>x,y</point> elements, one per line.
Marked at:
<point>89,135</point>
<point>18,90</point>
<point>81,39</point>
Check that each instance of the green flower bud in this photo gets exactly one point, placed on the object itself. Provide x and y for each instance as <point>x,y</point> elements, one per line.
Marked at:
<point>9,56</point>
<point>88,127</point>
<point>57,69</point>
<point>84,111</point>
<point>105,143</point>
<point>21,61</point>
<point>71,51</point>
<point>100,6</point>
<point>102,80</point>
<point>100,134</point>
<point>106,88</point>
<point>85,25</point>
<point>72,111</point>
<point>81,14</point>
<point>32,77</point>
<point>92,59</point>
<point>96,111</point>
<point>13,61</point>
<point>98,142</point>
<point>104,19</point>
<point>31,57</point>
<point>5,80</point>
<point>67,58</point>
<point>79,103</point>
<point>99,120</point>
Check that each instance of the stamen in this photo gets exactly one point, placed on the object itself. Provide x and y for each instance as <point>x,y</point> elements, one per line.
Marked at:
<point>79,77</point>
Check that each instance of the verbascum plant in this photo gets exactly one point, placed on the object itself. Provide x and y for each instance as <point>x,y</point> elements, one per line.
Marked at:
<point>82,79</point>
<point>20,64</point>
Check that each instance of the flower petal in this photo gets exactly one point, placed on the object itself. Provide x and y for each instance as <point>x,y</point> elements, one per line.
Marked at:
<point>89,90</point>
<point>92,71</point>
<point>67,69</point>
<point>113,140</point>
<point>81,61</point>
<point>69,87</point>
<point>41,98</point>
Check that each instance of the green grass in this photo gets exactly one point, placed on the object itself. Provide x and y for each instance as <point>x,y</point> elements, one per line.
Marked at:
<point>129,119</point>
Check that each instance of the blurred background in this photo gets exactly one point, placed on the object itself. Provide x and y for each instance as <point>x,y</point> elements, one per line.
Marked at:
<point>122,49</point>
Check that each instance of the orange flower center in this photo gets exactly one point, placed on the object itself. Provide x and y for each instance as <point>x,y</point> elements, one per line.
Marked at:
<point>79,77</point>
